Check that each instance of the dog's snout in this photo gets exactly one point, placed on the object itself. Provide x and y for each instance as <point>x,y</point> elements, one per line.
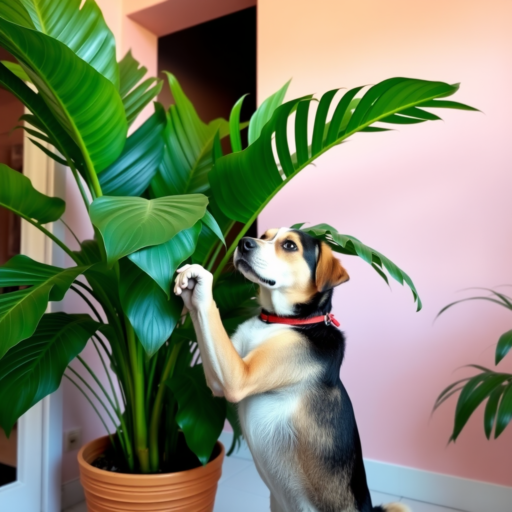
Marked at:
<point>247,244</point>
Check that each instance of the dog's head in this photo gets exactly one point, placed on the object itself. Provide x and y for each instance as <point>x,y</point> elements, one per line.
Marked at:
<point>292,262</point>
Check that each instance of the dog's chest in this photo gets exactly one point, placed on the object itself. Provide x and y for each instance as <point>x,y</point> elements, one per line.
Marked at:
<point>266,418</point>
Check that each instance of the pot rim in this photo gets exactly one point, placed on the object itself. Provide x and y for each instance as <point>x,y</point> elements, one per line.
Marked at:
<point>82,462</point>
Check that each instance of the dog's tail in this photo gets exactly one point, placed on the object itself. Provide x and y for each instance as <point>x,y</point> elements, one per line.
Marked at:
<point>392,507</point>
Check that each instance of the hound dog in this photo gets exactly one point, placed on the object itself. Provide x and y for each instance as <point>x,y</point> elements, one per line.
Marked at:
<point>282,369</point>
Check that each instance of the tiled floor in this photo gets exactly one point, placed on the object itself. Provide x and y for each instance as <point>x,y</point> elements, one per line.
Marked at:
<point>241,490</point>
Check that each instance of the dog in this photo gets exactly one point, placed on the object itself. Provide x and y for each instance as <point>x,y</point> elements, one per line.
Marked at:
<point>282,369</point>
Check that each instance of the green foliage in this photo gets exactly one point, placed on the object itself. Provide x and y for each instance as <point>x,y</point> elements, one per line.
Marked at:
<point>495,387</point>
<point>86,103</point>
<point>346,244</point>
<point>152,315</point>
<point>200,425</point>
<point>132,172</point>
<point>136,94</point>
<point>244,182</point>
<point>163,196</point>
<point>18,195</point>
<point>188,148</point>
<point>21,311</point>
<point>128,224</point>
<point>33,369</point>
<point>160,262</point>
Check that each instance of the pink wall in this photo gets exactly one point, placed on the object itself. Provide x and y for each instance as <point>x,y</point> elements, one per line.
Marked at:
<point>435,198</point>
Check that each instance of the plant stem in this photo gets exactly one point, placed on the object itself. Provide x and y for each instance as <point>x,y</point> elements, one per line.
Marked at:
<point>76,175</point>
<point>71,231</point>
<point>93,176</point>
<point>88,386</point>
<point>139,410</point>
<point>89,303</point>
<point>157,408</point>
<point>127,441</point>
<point>93,406</point>
<point>62,245</point>
<point>100,385</point>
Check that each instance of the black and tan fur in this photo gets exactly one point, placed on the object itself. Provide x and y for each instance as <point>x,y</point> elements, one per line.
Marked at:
<point>295,413</point>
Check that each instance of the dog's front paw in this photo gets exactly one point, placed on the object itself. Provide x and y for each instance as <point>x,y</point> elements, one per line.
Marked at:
<point>194,284</point>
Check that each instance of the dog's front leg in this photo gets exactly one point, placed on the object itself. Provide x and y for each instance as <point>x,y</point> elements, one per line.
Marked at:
<point>222,365</point>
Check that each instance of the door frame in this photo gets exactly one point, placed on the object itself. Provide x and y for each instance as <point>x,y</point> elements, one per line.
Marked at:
<point>38,483</point>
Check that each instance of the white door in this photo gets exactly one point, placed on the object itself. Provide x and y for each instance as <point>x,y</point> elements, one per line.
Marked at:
<point>37,459</point>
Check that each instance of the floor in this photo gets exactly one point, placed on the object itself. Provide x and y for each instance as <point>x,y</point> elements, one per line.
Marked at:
<point>241,488</point>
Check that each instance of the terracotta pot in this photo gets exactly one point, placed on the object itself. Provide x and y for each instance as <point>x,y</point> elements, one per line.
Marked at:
<point>187,491</point>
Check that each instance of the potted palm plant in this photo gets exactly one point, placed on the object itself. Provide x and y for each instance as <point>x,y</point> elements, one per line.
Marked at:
<point>162,196</point>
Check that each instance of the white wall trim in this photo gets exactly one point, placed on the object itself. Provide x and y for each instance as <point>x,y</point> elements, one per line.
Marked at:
<point>49,178</point>
<point>417,484</point>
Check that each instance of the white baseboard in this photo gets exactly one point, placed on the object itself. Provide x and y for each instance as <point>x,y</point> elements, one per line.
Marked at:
<point>420,485</point>
<point>72,493</point>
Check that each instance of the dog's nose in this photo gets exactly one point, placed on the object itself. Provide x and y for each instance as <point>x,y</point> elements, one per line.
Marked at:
<point>247,244</point>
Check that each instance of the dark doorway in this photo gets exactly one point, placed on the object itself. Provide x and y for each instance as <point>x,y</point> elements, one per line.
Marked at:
<point>215,63</point>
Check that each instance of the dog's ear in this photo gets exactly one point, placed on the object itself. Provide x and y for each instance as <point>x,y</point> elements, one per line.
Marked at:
<point>329,272</point>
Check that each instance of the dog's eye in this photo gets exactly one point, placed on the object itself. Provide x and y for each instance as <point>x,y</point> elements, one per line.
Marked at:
<point>289,246</point>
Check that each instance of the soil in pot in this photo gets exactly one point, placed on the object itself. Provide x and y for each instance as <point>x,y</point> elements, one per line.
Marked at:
<point>183,460</point>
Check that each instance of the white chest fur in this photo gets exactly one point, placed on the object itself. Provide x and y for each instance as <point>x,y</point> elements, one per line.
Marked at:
<point>266,421</point>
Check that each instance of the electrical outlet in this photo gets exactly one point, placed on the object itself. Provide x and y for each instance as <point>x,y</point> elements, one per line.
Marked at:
<point>72,439</point>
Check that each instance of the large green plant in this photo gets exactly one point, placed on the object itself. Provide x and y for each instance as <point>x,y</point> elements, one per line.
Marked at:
<point>487,385</point>
<point>162,196</point>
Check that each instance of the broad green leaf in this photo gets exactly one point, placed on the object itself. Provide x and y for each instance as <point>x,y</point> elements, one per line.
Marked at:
<point>200,415</point>
<point>81,28</point>
<point>346,244</point>
<point>132,172</point>
<point>505,410</point>
<point>136,95</point>
<point>128,224</point>
<point>472,395</point>
<point>491,410</point>
<point>244,182</point>
<point>188,150</point>
<point>504,346</point>
<point>21,311</point>
<point>86,103</point>
<point>16,69</point>
<point>33,369</point>
<point>152,316</point>
<point>265,111</point>
<point>18,195</point>
<point>161,261</point>
<point>42,118</point>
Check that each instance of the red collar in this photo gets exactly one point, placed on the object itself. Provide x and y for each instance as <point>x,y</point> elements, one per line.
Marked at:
<point>328,319</point>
